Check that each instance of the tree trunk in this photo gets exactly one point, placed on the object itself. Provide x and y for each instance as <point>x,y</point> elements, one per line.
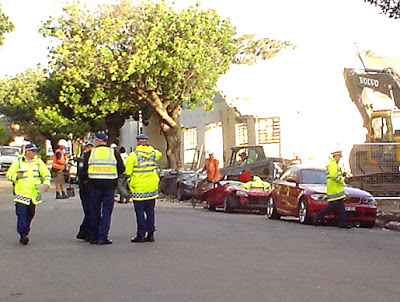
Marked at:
<point>114,122</point>
<point>170,127</point>
<point>173,139</point>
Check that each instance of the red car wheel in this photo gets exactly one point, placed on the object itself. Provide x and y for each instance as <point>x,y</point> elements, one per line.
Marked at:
<point>304,215</point>
<point>271,209</point>
<point>227,204</point>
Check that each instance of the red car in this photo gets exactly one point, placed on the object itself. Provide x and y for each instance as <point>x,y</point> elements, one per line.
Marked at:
<point>230,195</point>
<point>301,191</point>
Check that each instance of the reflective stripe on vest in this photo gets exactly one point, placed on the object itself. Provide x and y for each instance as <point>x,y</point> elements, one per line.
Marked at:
<point>144,195</point>
<point>27,200</point>
<point>336,196</point>
<point>102,164</point>
<point>145,165</point>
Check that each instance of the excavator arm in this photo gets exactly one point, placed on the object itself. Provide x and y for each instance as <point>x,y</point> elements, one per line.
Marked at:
<point>386,81</point>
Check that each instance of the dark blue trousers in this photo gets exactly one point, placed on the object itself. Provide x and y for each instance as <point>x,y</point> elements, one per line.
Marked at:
<point>25,215</point>
<point>145,216</point>
<point>101,207</point>
<point>84,194</point>
<point>338,206</point>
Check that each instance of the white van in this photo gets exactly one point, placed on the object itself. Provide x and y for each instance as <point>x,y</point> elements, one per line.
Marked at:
<point>7,155</point>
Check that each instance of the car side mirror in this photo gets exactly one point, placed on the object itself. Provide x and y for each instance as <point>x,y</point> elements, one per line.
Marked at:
<point>291,179</point>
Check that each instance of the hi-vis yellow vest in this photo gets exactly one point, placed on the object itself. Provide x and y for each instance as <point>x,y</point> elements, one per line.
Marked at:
<point>34,173</point>
<point>142,169</point>
<point>335,181</point>
<point>102,163</point>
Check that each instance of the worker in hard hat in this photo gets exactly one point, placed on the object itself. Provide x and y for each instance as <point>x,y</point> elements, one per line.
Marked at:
<point>59,165</point>
<point>211,166</point>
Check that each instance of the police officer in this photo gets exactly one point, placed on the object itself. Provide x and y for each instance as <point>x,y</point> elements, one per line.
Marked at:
<point>27,173</point>
<point>336,195</point>
<point>141,166</point>
<point>103,166</point>
<point>84,193</point>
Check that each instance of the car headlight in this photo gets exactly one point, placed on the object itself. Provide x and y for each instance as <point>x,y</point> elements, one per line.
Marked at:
<point>318,196</point>
<point>371,201</point>
<point>241,193</point>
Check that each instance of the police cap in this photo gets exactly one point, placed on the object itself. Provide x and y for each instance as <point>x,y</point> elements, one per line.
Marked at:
<point>337,153</point>
<point>142,138</point>
<point>31,147</point>
<point>100,136</point>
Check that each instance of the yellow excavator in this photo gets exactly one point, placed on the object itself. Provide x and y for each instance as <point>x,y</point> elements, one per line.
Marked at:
<point>375,164</point>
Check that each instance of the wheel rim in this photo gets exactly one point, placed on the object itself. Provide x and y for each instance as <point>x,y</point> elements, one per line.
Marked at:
<point>302,212</point>
<point>270,207</point>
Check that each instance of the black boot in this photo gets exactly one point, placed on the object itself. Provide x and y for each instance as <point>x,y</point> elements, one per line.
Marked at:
<point>64,195</point>
<point>58,195</point>
<point>24,239</point>
<point>83,235</point>
<point>139,239</point>
<point>150,237</point>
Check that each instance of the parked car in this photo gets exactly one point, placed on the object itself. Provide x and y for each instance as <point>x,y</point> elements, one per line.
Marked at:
<point>301,191</point>
<point>179,184</point>
<point>7,155</point>
<point>230,195</point>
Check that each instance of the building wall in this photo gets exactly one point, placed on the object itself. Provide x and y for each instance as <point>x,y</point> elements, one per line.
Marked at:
<point>132,128</point>
<point>200,118</point>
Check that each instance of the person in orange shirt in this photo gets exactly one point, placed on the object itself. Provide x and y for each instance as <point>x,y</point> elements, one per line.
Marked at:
<point>212,168</point>
<point>58,167</point>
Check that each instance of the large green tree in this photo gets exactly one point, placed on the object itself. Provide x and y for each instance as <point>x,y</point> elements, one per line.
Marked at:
<point>27,99</point>
<point>390,8</point>
<point>18,99</point>
<point>122,58</point>
<point>6,26</point>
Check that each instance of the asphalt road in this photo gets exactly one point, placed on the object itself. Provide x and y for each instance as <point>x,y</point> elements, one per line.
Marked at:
<point>198,256</point>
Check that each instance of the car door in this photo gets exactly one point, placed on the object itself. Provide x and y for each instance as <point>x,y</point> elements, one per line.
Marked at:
<point>294,191</point>
<point>283,188</point>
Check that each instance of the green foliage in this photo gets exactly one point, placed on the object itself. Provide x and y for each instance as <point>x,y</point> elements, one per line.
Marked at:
<point>390,8</point>
<point>28,99</point>
<point>18,99</point>
<point>123,57</point>
<point>6,26</point>
<point>5,135</point>
<point>252,50</point>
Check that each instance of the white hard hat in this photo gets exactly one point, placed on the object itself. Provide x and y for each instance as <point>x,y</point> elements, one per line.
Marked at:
<point>63,142</point>
<point>113,145</point>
